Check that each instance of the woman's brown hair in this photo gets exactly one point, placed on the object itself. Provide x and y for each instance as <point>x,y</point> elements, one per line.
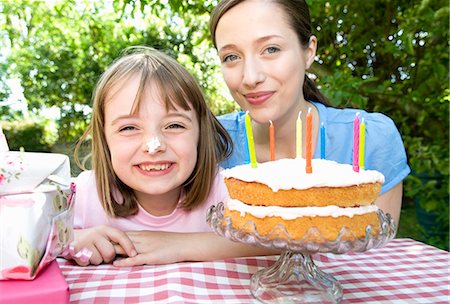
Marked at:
<point>179,89</point>
<point>297,12</point>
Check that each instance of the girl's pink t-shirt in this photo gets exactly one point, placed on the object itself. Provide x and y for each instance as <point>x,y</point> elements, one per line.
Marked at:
<point>89,211</point>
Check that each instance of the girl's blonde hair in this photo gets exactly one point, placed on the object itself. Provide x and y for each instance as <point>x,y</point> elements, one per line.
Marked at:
<point>179,89</point>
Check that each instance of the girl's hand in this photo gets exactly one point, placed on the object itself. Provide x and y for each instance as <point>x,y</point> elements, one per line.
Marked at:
<point>153,247</point>
<point>101,241</point>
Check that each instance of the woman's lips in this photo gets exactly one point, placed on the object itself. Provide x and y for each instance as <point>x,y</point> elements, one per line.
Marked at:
<point>258,98</point>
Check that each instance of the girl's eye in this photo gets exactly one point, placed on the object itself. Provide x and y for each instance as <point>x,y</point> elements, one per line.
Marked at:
<point>127,128</point>
<point>175,126</point>
<point>272,50</point>
<point>230,58</point>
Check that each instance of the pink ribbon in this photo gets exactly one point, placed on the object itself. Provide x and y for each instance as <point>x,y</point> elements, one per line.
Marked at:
<point>83,255</point>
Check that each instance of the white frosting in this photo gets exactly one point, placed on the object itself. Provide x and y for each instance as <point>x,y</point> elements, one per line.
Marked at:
<point>290,213</point>
<point>153,144</point>
<point>290,174</point>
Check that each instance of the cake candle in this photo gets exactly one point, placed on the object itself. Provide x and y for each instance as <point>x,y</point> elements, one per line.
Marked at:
<point>308,141</point>
<point>362,143</point>
<point>322,141</point>
<point>272,140</point>
<point>356,143</point>
<point>250,140</point>
<point>299,136</point>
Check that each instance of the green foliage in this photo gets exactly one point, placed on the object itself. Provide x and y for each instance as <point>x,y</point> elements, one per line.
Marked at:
<point>33,135</point>
<point>393,57</point>
<point>58,51</point>
<point>385,56</point>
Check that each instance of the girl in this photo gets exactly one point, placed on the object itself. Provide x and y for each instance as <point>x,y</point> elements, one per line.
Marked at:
<point>265,48</point>
<point>155,149</point>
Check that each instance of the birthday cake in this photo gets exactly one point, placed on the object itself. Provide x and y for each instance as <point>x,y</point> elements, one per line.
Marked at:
<point>280,193</point>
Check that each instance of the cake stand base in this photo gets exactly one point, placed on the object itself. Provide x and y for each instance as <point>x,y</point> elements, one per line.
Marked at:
<point>294,278</point>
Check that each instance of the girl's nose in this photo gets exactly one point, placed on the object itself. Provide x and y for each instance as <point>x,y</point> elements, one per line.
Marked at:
<point>154,145</point>
<point>253,73</point>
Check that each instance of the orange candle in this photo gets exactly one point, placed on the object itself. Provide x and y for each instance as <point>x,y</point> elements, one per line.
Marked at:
<point>308,141</point>
<point>272,140</point>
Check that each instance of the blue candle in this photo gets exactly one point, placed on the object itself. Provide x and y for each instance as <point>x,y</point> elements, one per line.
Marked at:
<point>322,141</point>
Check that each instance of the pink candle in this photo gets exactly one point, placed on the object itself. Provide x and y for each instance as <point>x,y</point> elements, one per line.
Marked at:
<point>308,141</point>
<point>356,143</point>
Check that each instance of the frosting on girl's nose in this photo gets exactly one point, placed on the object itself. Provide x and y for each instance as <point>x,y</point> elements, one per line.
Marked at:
<point>153,144</point>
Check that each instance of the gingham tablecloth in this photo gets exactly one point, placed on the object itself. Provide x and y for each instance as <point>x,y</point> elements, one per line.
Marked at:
<point>404,271</point>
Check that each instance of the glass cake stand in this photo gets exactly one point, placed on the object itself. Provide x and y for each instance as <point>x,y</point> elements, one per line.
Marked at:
<point>294,278</point>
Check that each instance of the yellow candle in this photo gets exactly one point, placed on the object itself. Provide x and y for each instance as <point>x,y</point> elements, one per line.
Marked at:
<point>299,138</point>
<point>250,141</point>
<point>362,139</point>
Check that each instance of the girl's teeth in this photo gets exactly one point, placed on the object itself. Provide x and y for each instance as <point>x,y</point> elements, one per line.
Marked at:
<point>157,167</point>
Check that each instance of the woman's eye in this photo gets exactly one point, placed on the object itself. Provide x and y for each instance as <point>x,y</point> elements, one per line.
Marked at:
<point>272,50</point>
<point>230,58</point>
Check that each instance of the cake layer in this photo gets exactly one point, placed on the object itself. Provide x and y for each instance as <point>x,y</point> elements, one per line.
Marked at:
<point>286,174</point>
<point>329,227</point>
<point>261,195</point>
<point>290,213</point>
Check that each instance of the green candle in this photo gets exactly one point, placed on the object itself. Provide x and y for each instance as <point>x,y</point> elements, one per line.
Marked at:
<point>250,141</point>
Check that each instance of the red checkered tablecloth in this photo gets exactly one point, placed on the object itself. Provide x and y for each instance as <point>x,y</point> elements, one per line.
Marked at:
<point>404,271</point>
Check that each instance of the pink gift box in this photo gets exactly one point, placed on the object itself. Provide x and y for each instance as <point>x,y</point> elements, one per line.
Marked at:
<point>49,286</point>
<point>36,216</point>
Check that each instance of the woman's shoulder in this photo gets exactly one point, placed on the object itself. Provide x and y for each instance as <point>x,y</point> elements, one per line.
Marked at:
<point>232,121</point>
<point>384,148</point>
<point>347,115</point>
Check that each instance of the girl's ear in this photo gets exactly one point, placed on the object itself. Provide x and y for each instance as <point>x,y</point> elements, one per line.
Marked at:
<point>310,52</point>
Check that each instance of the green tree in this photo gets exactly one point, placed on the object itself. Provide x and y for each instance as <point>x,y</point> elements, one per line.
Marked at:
<point>381,55</point>
<point>59,50</point>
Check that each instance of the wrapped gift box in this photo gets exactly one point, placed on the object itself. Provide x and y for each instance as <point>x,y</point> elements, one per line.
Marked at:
<point>48,287</point>
<point>36,217</point>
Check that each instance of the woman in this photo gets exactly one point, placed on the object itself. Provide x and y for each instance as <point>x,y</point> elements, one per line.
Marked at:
<point>265,48</point>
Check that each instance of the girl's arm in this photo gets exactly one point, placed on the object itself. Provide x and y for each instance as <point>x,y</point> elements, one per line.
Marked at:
<point>391,202</point>
<point>99,240</point>
<point>155,247</point>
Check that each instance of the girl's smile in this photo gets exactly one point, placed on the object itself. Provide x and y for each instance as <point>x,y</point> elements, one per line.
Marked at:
<point>155,169</point>
<point>153,148</point>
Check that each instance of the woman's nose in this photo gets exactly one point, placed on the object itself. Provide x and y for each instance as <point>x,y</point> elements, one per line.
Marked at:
<point>253,73</point>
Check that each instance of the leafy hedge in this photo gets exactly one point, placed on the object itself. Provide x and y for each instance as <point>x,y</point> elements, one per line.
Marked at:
<point>33,135</point>
<point>384,56</point>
